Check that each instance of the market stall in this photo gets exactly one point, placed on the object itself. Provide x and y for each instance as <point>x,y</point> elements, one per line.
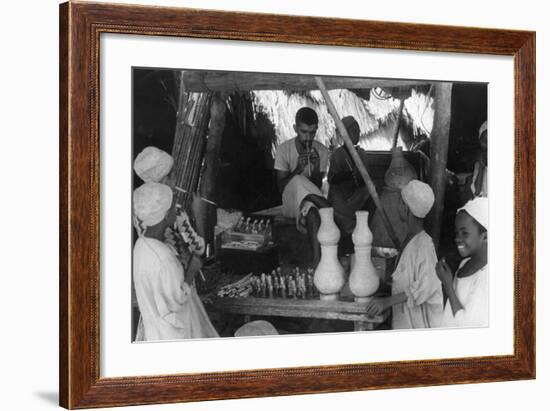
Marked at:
<point>261,244</point>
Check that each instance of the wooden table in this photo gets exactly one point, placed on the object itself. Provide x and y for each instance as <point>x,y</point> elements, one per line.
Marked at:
<point>307,308</point>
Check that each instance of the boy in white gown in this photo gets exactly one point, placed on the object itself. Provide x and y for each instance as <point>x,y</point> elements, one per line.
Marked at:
<point>170,308</point>
<point>416,300</point>
<point>467,291</point>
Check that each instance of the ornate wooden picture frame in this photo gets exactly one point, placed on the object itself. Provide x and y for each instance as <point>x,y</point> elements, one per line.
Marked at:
<point>81,25</point>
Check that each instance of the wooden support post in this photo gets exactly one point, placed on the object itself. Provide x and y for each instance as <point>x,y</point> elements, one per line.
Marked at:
<point>357,160</point>
<point>207,189</point>
<point>398,124</point>
<point>439,149</point>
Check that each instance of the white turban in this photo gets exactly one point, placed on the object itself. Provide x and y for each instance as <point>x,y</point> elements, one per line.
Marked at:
<point>153,164</point>
<point>151,202</point>
<point>419,197</point>
<point>478,208</point>
<point>256,328</point>
<point>482,128</point>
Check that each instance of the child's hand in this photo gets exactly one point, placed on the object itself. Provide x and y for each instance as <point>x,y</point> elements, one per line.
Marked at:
<point>377,306</point>
<point>193,267</point>
<point>444,272</point>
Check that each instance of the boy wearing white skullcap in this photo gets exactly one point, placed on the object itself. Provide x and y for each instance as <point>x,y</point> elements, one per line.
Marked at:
<point>170,308</point>
<point>468,289</point>
<point>416,300</point>
<point>419,197</point>
<point>153,164</point>
<point>151,203</point>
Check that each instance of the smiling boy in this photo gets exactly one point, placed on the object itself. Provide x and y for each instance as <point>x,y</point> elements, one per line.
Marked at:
<point>467,290</point>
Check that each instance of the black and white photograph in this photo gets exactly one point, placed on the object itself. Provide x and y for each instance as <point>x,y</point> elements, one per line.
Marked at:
<point>271,204</point>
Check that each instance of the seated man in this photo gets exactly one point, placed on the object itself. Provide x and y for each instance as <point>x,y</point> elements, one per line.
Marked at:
<point>347,193</point>
<point>301,164</point>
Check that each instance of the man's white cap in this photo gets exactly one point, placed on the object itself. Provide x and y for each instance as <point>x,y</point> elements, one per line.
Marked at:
<point>151,202</point>
<point>482,128</point>
<point>256,328</point>
<point>153,164</point>
<point>419,197</point>
<point>478,208</point>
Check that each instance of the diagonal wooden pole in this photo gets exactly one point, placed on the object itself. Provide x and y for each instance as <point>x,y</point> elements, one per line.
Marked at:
<point>357,160</point>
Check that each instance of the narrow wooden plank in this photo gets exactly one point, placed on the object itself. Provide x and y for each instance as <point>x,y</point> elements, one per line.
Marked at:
<point>525,206</point>
<point>297,308</point>
<point>297,304</point>
<point>166,21</point>
<point>273,382</point>
<point>80,185</point>
<point>284,307</point>
<point>288,313</point>
<point>242,81</point>
<point>64,351</point>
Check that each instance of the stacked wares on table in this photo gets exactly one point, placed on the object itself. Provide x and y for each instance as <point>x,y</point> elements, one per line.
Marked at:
<point>295,284</point>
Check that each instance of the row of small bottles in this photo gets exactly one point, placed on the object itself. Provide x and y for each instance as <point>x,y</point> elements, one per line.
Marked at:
<point>249,226</point>
<point>297,284</point>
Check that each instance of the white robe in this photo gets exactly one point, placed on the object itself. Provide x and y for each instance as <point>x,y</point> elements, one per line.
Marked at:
<point>473,294</point>
<point>479,169</point>
<point>170,309</point>
<point>415,276</point>
<point>293,200</point>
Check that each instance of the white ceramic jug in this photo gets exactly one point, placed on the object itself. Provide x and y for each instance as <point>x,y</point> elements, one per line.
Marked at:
<point>329,274</point>
<point>363,279</point>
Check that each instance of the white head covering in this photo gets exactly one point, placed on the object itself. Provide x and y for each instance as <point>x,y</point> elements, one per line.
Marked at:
<point>419,197</point>
<point>482,128</point>
<point>478,208</point>
<point>153,164</point>
<point>255,328</point>
<point>151,202</point>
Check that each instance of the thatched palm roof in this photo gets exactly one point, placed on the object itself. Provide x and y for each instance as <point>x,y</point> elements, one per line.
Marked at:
<point>376,117</point>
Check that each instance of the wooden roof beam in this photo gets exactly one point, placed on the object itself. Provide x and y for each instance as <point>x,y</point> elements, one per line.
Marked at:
<point>219,81</point>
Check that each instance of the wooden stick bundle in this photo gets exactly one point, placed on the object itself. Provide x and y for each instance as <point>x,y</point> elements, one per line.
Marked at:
<point>190,137</point>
